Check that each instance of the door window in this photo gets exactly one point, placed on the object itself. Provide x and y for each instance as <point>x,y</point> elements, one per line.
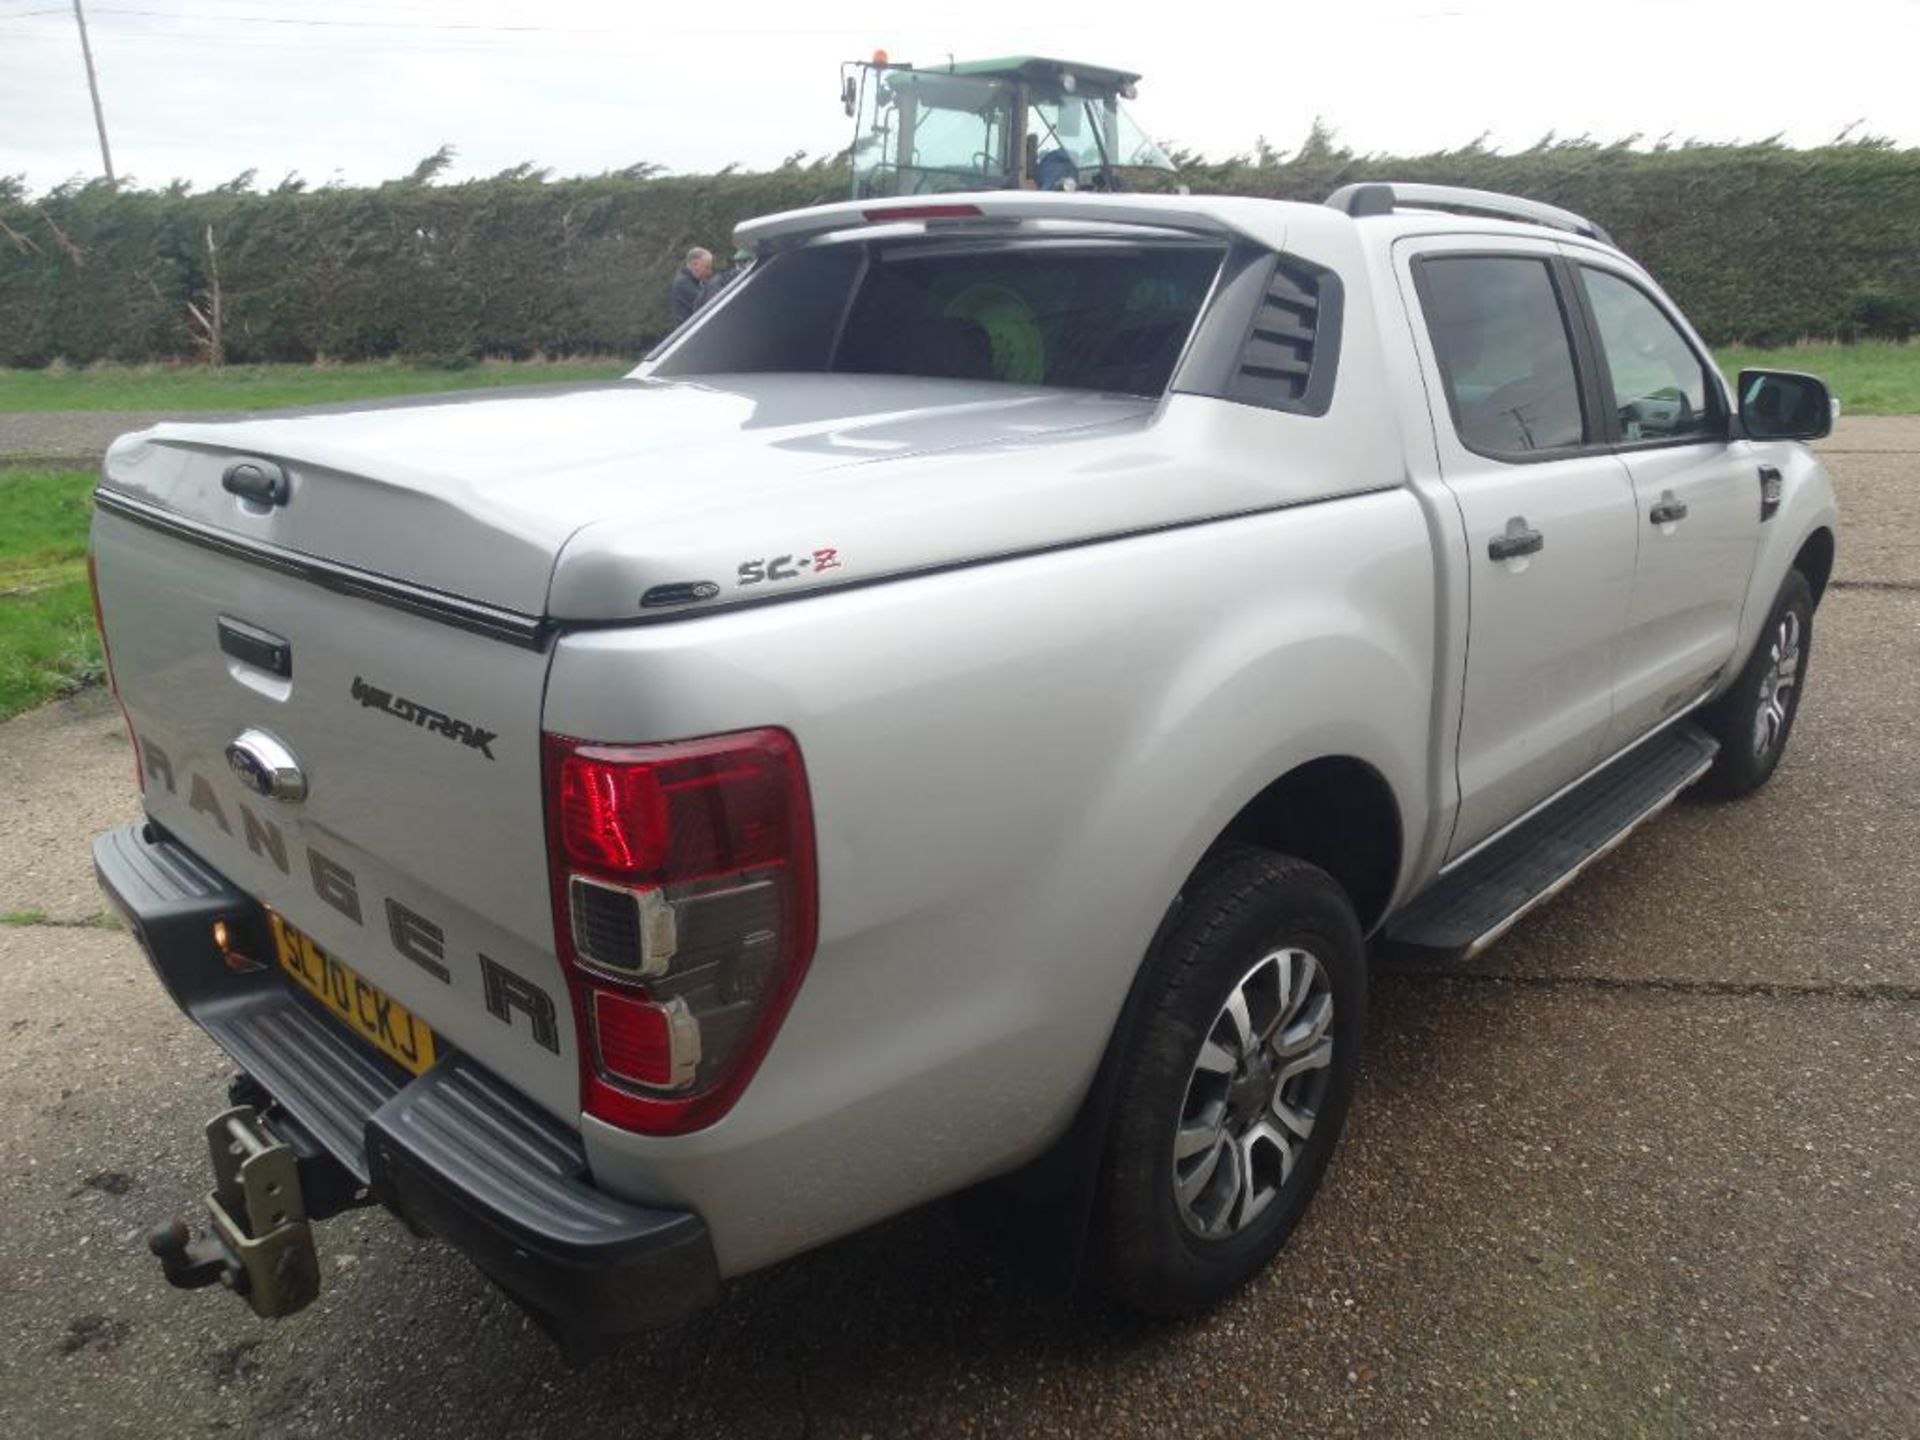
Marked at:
<point>1659,388</point>
<point>1500,332</point>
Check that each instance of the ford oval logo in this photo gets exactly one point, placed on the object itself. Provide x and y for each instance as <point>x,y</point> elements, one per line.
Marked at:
<point>682,592</point>
<point>266,766</point>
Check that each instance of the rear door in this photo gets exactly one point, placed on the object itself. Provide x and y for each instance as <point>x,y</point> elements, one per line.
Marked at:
<point>1548,515</point>
<point>1697,496</point>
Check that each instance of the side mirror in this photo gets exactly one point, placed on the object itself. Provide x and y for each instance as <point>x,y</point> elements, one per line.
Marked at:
<point>849,97</point>
<point>1784,405</point>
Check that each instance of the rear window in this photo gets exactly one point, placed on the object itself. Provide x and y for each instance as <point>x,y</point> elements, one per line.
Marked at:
<point>1095,315</point>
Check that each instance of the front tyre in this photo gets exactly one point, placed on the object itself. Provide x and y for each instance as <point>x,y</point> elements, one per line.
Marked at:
<point>1236,1084</point>
<point>1754,719</point>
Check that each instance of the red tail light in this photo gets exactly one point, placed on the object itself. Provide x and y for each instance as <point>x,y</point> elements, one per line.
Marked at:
<point>683,904</point>
<point>113,686</point>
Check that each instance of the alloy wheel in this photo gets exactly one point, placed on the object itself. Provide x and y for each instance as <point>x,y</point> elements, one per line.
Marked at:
<point>1776,685</point>
<point>1254,1093</point>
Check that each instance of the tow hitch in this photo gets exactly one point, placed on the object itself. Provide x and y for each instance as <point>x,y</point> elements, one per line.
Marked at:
<point>259,1241</point>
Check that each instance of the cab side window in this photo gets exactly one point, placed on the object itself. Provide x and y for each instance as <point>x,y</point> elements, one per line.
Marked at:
<point>1659,388</point>
<point>1506,357</point>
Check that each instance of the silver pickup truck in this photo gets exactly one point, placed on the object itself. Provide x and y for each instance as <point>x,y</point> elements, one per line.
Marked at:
<point>954,719</point>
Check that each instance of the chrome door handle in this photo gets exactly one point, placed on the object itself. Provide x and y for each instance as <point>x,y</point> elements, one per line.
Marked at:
<point>1518,540</point>
<point>1667,512</point>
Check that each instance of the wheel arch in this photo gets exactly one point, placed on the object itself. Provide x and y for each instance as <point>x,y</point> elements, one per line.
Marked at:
<point>1814,560</point>
<point>1337,812</point>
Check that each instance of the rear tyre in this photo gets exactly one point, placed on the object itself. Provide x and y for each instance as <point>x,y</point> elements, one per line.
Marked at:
<point>1754,719</point>
<point>1235,1086</point>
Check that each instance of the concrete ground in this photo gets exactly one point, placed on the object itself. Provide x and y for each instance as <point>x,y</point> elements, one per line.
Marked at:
<point>1649,1167</point>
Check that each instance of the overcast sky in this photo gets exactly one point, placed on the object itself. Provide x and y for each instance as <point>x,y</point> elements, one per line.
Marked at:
<point>360,90</point>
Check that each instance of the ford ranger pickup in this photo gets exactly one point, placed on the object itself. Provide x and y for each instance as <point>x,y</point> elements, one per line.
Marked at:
<point>956,718</point>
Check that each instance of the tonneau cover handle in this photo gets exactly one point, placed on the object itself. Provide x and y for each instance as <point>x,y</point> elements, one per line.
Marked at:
<point>260,481</point>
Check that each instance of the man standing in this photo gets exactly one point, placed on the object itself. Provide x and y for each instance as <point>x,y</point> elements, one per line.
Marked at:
<point>689,286</point>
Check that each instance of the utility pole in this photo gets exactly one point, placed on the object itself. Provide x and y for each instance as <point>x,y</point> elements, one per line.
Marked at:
<point>93,88</point>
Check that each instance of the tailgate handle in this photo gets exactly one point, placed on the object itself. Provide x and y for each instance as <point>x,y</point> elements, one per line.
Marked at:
<point>260,481</point>
<point>260,648</point>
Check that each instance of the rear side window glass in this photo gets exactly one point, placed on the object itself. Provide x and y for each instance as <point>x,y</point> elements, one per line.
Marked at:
<point>1096,317</point>
<point>1506,356</point>
<point>1079,314</point>
<point>1106,317</point>
<point>1658,385</point>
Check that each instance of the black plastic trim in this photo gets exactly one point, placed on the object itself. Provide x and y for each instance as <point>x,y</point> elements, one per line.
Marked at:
<point>1367,199</point>
<point>308,1062</point>
<point>259,648</point>
<point>1501,879</point>
<point>1769,477</point>
<point>461,1155</point>
<point>1219,347</point>
<point>529,632</point>
<point>261,481</point>
<point>1364,201</point>
<point>170,898</point>
<point>455,1152</point>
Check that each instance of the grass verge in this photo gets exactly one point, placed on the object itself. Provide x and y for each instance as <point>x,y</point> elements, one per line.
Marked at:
<point>47,642</point>
<point>100,920</point>
<point>262,387</point>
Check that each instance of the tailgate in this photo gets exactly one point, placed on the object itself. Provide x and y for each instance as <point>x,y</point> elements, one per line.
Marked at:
<point>418,854</point>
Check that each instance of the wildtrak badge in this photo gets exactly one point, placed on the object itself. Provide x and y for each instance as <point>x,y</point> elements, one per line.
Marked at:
<point>424,716</point>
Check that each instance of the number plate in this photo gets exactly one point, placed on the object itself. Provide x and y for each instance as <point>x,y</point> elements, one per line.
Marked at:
<point>370,1012</point>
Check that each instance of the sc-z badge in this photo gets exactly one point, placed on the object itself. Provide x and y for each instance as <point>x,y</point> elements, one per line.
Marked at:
<point>788,567</point>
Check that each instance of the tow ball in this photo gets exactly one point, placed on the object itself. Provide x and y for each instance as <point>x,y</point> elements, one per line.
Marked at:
<point>258,1241</point>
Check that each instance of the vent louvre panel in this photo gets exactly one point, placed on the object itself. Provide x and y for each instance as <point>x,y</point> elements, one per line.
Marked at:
<point>1276,365</point>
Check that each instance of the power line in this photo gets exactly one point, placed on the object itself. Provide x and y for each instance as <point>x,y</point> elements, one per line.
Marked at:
<point>554,40</point>
<point>477,31</point>
<point>358,24</point>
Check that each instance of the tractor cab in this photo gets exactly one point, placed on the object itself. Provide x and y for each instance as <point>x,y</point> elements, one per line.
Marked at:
<point>1023,123</point>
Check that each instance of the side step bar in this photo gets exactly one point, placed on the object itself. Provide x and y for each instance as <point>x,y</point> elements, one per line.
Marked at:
<point>1467,910</point>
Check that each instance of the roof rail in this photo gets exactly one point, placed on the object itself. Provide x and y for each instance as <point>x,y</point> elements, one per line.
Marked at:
<point>1383,198</point>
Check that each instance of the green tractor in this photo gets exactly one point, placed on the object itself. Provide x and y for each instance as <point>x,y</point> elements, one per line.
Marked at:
<point>1021,123</point>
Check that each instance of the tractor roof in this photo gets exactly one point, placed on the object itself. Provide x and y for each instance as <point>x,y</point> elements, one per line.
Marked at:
<point>1038,68</point>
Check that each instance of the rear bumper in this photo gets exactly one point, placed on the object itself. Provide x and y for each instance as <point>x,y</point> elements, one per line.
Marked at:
<point>455,1152</point>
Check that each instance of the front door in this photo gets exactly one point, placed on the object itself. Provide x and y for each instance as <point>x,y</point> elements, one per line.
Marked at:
<point>1548,518</point>
<point>1697,496</point>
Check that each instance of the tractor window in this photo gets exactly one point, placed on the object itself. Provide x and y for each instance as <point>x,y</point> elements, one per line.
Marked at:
<point>1109,315</point>
<point>1075,139</point>
<point>922,133</point>
<point>957,145</point>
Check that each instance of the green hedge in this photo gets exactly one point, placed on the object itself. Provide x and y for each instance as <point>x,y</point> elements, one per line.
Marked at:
<point>1759,243</point>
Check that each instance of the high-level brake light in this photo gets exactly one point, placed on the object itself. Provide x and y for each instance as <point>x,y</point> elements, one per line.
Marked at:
<point>922,212</point>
